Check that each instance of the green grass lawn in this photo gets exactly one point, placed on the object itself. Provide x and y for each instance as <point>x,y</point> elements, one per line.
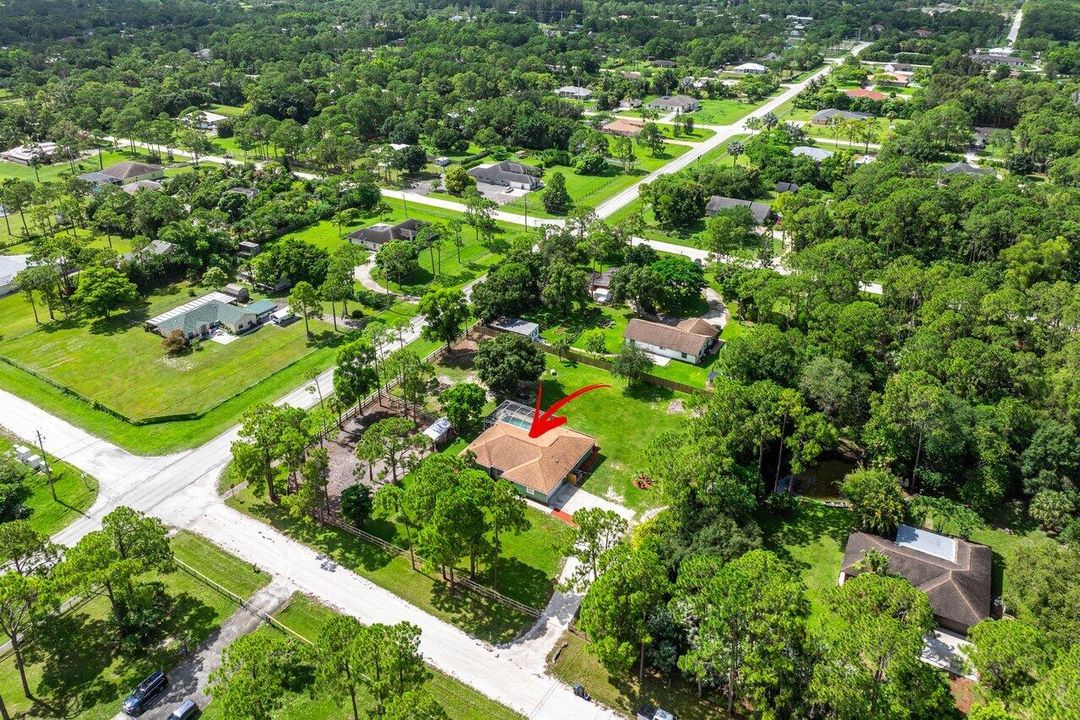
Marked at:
<point>224,568</point>
<point>228,110</point>
<point>575,664</point>
<point>15,243</point>
<point>697,135</point>
<point>306,617</point>
<point>813,543</point>
<point>230,146</point>
<point>482,618</point>
<point>75,492</point>
<point>623,422</point>
<point>159,438</point>
<point>53,172</point>
<point>88,356</point>
<point>78,670</point>
<point>723,112</point>
<point>591,190</point>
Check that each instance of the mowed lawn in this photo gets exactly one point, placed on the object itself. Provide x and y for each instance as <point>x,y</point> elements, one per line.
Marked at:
<point>591,190</point>
<point>55,171</point>
<point>812,541</point>
<point>116,363</point>
<point>622,420</point>
<point>723,112</point>
<point>77,669</point>
<point>576,664</point>
<point>306,617</point>
<point>482,618</point>
<point>75,491</point>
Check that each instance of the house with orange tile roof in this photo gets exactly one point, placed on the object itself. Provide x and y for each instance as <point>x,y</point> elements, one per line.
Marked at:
<point>537,467</point>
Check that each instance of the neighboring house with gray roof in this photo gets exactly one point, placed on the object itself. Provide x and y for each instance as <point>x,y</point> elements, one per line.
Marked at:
<point>200,317</point>
<point>822,117</point>
<point>963,168</point>
<point>124,173</point>
<point>10,267</point>
<point>574,92</point>
<point>675,103</point>
<point>154,248</point>
<point>134,187</point>
<point>375,236</point>
<point>760,211</point>
<point>509,174</point>
<point>814,153</point>
<point>955,574</point>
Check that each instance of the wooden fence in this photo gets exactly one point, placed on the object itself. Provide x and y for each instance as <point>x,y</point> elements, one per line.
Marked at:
<point>213,585</point>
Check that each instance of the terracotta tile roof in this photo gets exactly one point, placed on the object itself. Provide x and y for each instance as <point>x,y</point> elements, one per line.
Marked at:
<point>959,590</point>
<point>864,93</point>
<point>623,126</point>
<point>537,463</point>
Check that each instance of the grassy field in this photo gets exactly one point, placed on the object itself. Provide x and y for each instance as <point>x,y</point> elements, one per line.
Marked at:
<point>623,422</point>
<point>723,112</point>
<point>697,135</point>
<point>447,270</point>
<point>575,664</point>
<point>591,190</point>
<point>813,543</point>
<point>75,492</point>
<point>306,617</point>
<point>161,438</point>
<point>88,356</point>
<point>481,618</point>
<point>77,670</point>
<point>50,173</point>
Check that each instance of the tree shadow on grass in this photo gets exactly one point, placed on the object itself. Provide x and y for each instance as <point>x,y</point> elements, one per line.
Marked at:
<point>190,619</point>
<point>482,618</point>
<point>521,582</point>
<point>345,548</point>
<point>75,651</point>
<point>812,521</point>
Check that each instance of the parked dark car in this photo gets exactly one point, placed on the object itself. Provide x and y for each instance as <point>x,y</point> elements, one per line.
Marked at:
<point>148,689</point>
<point>188,710</point>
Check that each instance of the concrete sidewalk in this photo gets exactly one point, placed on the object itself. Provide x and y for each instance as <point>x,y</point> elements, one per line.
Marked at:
<point>188,680</point>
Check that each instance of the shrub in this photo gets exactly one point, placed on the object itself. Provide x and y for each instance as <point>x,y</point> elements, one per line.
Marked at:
<point>876,498</point>
<point>356,504</point>
<point>175,342</point>
<point>1052,509</point>
<point>594,341</point>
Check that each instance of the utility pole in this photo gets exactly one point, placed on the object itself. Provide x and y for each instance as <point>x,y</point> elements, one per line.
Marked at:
<point>48,470</point>
<point>525,197</point>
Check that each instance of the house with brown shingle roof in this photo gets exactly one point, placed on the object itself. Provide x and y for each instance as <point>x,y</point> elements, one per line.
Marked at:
<point>688,341</point>
<point>537,467</point>
<point>955,574</point>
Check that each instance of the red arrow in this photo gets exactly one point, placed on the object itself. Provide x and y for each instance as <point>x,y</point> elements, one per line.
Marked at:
<point>542,422</point>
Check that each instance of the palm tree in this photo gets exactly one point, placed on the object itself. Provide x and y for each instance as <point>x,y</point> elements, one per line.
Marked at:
<point>769,120</point>
<point>735,149</point>
<point>752,124</point>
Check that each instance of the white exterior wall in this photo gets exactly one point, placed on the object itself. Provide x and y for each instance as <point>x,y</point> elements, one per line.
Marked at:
<point>664,352</point>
